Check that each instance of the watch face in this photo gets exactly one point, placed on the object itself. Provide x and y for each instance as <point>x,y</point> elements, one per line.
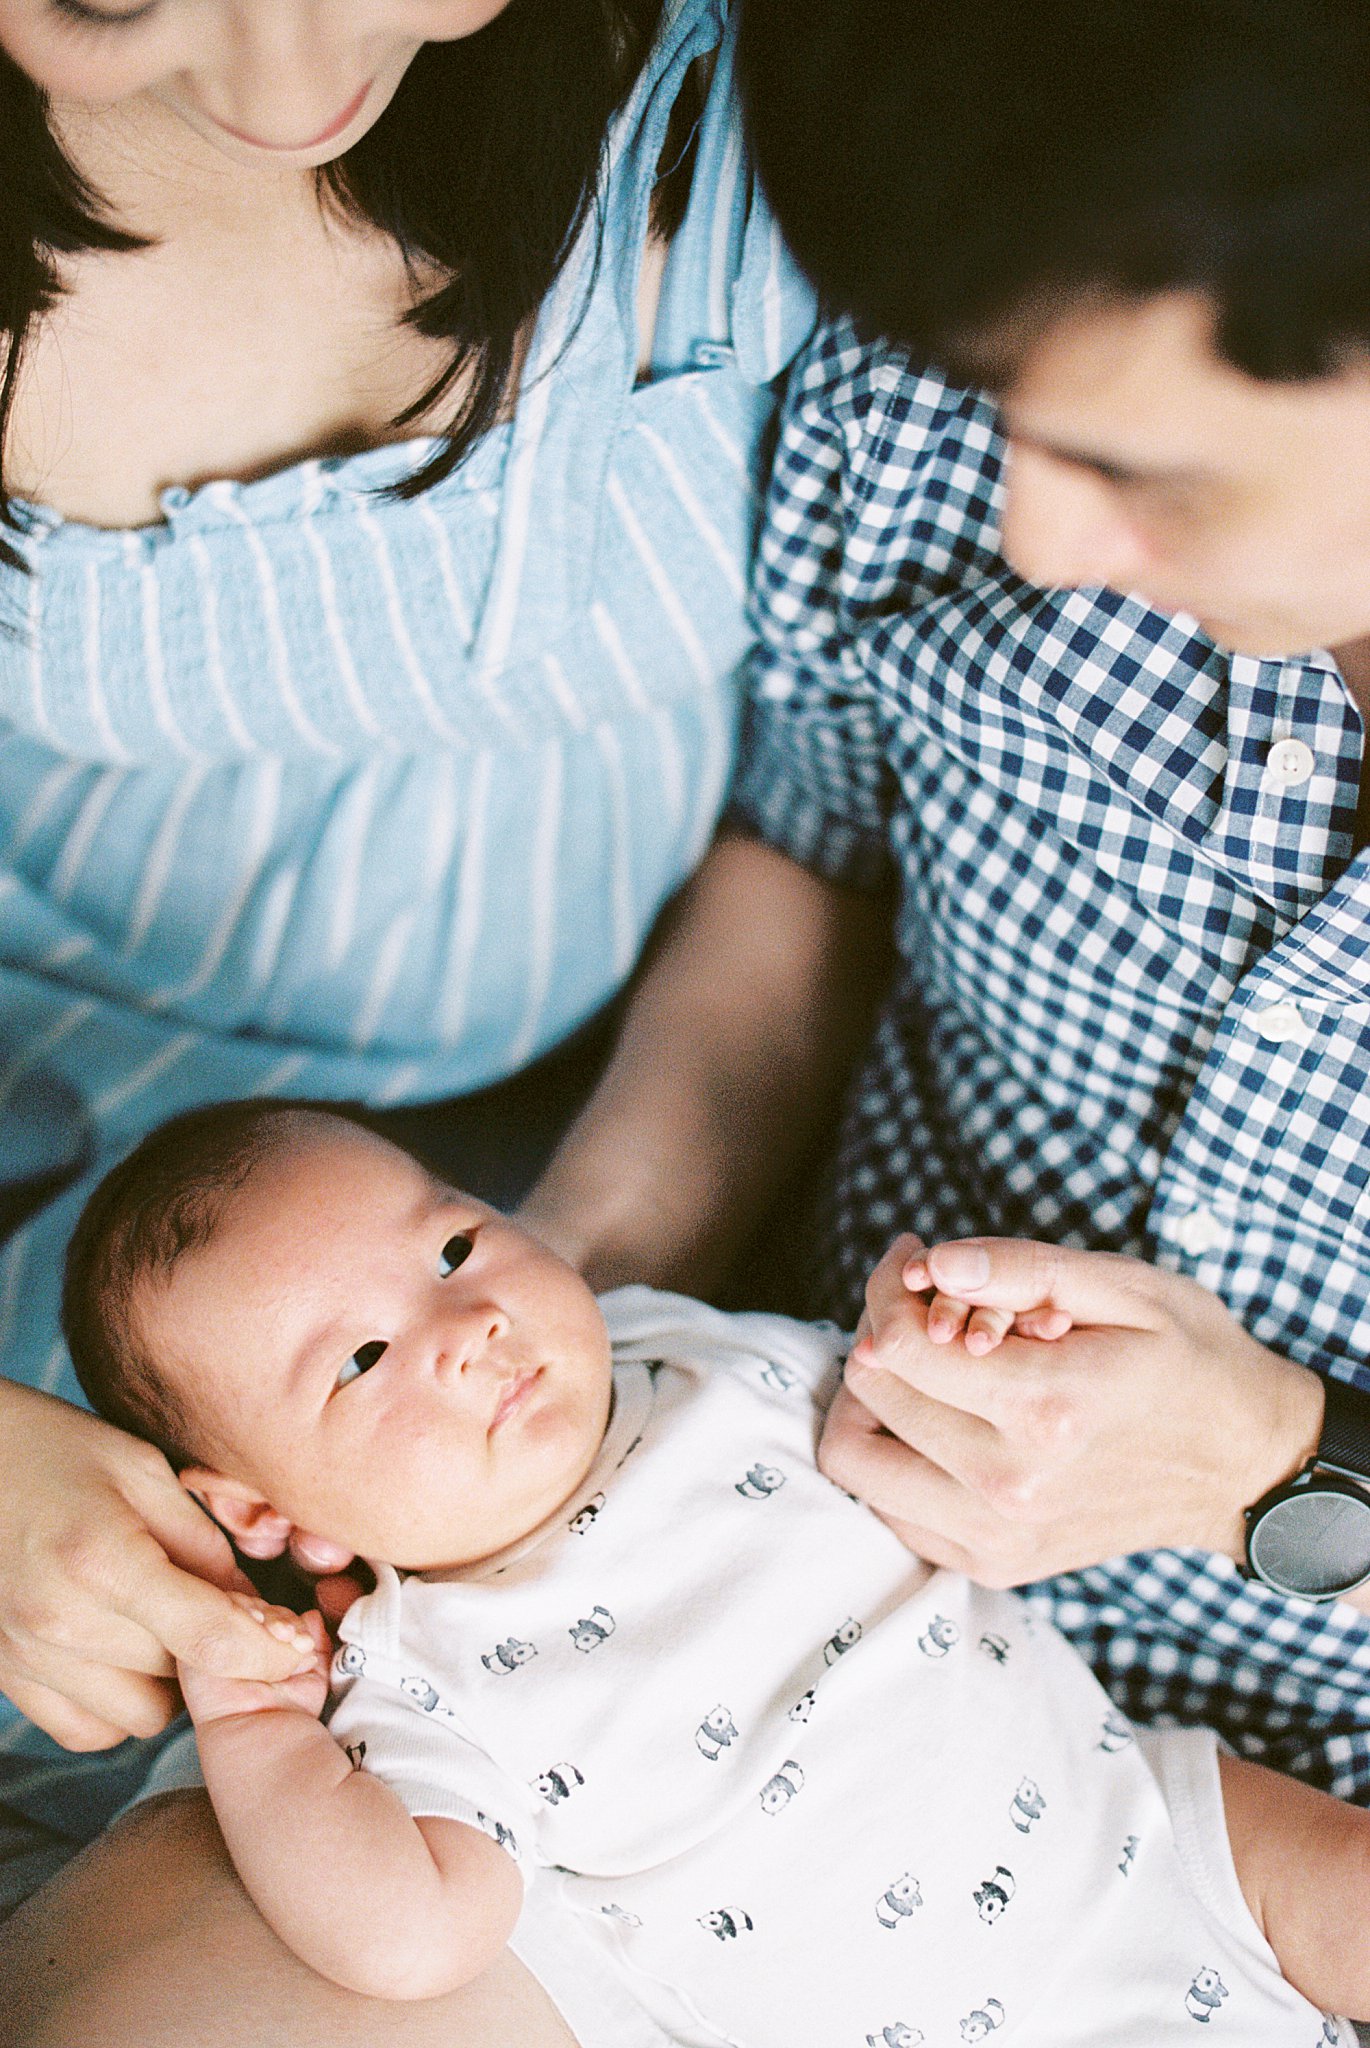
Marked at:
<point>1315,1542</point>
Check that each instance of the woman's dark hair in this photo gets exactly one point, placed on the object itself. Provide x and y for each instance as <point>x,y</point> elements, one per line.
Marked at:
<point>952,172</point>
<point>482,169</point>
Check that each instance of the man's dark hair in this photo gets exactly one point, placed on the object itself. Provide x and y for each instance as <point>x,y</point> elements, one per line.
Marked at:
<point>165,1199</point>
<point>953,173</point>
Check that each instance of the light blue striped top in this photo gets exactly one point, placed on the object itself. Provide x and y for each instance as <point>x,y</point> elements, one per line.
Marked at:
<point>309,790</point>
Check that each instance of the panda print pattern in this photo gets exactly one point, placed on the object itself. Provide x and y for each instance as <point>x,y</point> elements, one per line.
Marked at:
<point>508,1656</point>
<point>1204,1995</point>
<point>984,2021</point>
<point>583,1521</point>
<point>993,1896</point>
<point>715,1733</point>
<point>558,1783</point>
<point>760,1483</point>
<point>1028,1805</point>
<point>778,1791</point>
<point>727,1922</point>
<point>593,1629</point>
<point>899,1902</point>
<point>842,1639</point>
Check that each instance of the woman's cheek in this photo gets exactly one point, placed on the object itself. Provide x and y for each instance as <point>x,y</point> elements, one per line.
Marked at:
<point>68,69</point>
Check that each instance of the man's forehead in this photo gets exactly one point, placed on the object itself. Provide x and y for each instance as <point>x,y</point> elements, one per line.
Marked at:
<point>1138,388</point>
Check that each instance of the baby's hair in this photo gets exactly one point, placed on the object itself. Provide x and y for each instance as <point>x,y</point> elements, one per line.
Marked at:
<point>165,1199</point>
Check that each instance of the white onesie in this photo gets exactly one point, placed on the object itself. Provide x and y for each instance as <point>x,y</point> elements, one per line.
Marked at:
<point>794,1790</point>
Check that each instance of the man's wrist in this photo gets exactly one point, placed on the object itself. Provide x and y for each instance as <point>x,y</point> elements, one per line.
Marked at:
<point>1292,1439</point>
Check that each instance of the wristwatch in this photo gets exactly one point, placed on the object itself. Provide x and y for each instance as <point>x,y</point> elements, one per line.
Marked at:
<point>1311,1537</point>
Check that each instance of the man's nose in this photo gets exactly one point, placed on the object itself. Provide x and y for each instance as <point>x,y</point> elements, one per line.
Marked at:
<point>1063,525</point>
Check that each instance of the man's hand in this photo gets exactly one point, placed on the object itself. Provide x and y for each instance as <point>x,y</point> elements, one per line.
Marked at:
<point>1151,1422</point>
<point>108,1573</point>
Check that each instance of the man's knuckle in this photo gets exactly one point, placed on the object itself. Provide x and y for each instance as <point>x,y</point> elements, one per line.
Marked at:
<point>1014,1491</point>
<point>1052,1420</point>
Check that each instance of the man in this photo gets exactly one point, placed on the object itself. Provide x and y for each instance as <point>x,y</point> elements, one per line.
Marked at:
<point>1088,668</point>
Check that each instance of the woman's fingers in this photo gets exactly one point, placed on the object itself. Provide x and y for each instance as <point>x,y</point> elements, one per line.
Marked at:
<point>199,1623</point>
<point>88,1706</point>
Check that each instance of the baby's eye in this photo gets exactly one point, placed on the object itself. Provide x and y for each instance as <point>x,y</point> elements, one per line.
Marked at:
<point>454,1252</point>
<point>362,1360</point>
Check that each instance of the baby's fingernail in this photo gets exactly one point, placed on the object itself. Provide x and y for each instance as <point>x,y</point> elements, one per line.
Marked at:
<point>916,1276</point>
<point>961,1265</point>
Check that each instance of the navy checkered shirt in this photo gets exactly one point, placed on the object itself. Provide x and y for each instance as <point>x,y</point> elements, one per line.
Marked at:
<point>1132,1006</point>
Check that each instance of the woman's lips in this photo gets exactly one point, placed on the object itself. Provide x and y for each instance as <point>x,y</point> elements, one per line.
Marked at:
<point>514,1396</point>
<point>335,127</point>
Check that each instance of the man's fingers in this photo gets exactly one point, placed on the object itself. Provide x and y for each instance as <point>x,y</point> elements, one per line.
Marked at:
<point>1018,1274</point>
<point>78,1725</point>
<point>200,1624</point>
<point>960,1442</point>
<point>902,1486</point>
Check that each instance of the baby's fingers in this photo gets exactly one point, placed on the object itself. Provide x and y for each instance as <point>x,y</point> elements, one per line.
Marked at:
<point>1046,1323</point>
<point>946,1318</point>
<point>302,1633</point>
<point>987,1329</point>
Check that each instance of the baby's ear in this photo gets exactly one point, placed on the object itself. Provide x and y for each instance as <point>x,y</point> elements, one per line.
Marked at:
<point>239,1509</point>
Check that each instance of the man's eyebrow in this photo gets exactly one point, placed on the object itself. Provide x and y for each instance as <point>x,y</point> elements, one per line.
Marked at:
<point>1104,466</point>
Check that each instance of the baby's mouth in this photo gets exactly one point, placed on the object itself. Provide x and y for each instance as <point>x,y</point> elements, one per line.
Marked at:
<point>516,1392</point>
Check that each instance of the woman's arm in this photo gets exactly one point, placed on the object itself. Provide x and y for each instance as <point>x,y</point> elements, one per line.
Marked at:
<point>368,1896</point>
<point>757,995</point>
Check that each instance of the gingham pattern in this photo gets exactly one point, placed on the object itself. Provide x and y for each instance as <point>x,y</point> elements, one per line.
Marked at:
<point>1105,890</point>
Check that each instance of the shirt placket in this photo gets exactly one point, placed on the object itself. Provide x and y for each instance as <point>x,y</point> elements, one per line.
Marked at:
<point>1283,833</point>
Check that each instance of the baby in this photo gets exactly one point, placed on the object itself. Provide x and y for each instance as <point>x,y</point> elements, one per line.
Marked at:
<point>772,1780</point>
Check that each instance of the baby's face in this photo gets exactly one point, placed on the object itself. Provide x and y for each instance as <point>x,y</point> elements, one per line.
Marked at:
<point>392,1364</point>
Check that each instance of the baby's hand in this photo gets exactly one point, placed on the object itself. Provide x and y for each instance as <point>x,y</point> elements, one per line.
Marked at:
<point>981,1330</point>
<point>209,1698</point>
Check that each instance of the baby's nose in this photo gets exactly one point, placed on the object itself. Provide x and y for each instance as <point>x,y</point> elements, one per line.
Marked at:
<point>466,1340</point>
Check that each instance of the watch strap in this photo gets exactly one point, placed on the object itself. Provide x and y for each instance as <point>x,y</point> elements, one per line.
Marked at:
<point>1344,1445</point>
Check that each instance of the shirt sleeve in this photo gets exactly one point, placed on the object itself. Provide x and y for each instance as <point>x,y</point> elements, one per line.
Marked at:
<point>872,514</point>
<point>812,776</point>
<point>396,1725</point>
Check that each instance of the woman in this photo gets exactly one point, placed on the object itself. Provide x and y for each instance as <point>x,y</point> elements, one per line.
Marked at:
<point>386,379</point>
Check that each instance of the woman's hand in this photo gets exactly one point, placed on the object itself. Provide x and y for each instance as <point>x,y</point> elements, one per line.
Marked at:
<point>1152,1421</point>
<point>209,1697</point>
<point>108,1573</point>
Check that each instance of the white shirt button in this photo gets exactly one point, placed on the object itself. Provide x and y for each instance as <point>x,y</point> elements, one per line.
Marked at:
<point>1290,762</point>
<point>1199,1232</point>
<point>1282,1024</point>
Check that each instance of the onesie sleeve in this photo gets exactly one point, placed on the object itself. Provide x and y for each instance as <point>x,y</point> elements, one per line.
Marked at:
<point>395,1724</point>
